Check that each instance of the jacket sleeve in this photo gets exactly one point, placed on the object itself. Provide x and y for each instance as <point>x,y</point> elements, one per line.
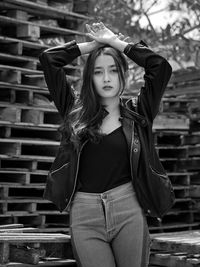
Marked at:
<point>53,60</point>
<point>157,75</point>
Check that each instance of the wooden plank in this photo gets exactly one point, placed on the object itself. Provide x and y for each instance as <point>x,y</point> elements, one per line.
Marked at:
<point>28,125</point>
<point>17,58</point>
<point>48,262</point>
<point>35,238</point>
<point>24,200</point>
<point>29,141</point>
<point>45,10</point>
<point>188,90</point>
<point>43,28</point>
<point>41,2</point>
<point>22,70</point>
<point>50,108</point>
<point>35,88</point>
<point>174,226</point>
<point>19,230</point>
<point>171,121</point>
<point>28,158</point>
<point>180,241</point>
<point>23,171</point>
<point>174,259</point>
<point>179,77</point>
<point>30,186</point>
<point>11,226</point>
<point>27,44</point>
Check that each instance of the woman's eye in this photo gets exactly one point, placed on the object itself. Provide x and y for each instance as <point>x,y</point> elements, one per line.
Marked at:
<point>114,70</point>
<point>97,72</point>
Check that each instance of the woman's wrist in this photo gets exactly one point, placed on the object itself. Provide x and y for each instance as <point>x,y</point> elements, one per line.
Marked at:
<point>87,47</point>
<point>118,44</point>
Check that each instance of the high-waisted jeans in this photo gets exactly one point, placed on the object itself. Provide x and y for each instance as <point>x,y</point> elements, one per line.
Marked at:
<point>109,229</point>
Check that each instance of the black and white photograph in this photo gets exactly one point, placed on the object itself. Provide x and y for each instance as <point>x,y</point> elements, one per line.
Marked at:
<point>100,133</point>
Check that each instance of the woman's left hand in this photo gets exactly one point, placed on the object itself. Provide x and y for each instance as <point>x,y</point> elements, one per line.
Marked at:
<point>100,33</point>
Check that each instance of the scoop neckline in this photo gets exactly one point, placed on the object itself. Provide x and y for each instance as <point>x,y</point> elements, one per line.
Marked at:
<point>105,134</point>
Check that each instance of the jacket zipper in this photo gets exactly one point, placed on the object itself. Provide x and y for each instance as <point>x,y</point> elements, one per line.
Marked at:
<point>131,151</point>
<point>77,166</point>
<point>59,168</point>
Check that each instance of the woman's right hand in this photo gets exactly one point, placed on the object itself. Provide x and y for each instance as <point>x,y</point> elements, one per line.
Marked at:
<point>100,33</point>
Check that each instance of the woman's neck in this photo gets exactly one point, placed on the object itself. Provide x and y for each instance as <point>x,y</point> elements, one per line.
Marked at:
<point>112,105</point>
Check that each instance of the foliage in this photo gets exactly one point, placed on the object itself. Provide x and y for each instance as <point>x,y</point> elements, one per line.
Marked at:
<point>178,40</point>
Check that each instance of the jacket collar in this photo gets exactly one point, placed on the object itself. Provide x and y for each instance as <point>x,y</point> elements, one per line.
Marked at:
<point>127,111</point>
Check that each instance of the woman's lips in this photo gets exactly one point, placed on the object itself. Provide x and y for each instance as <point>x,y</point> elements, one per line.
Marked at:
<point>107,87</point>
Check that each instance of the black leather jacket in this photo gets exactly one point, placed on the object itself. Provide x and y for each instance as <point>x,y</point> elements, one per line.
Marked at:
<point>137,126</point>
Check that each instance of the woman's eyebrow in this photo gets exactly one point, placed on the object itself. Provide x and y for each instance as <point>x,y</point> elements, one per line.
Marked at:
<point>110,66</point>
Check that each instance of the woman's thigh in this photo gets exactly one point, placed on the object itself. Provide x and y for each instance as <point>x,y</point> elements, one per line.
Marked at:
<point>131,243</point>
<point>88,236</point>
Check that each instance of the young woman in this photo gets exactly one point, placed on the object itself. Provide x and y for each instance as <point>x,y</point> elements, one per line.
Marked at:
<point>106,147</point>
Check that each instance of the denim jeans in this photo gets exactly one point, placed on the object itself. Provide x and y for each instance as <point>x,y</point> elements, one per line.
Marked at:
<point>109,229</point>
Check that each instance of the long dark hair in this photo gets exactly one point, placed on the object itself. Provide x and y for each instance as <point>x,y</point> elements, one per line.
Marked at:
<point>87,113</point>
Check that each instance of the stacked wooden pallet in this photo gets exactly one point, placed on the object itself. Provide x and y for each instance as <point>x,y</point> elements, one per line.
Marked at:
<point>24,247</point>
<point>177,138</point>
<point>179,249</point>
<point>28,119</point>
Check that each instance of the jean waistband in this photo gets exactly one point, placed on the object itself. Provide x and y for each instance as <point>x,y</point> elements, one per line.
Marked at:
<point>111,194</point>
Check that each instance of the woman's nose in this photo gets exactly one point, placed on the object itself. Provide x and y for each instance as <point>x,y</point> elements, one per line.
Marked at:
<point>106,76</point>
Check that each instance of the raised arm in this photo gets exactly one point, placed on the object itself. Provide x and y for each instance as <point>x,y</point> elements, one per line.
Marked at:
<point>53,60</point>
<point>157,74</point>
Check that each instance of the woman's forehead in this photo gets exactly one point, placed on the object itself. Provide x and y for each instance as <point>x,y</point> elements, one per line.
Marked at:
<point>104,61</point>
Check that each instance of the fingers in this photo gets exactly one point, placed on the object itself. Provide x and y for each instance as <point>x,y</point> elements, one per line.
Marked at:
<point>89,29</point>
<point>95,27</point>
<point>101,25</point>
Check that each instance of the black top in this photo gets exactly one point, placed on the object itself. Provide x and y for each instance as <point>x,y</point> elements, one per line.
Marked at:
<point>105,165</point>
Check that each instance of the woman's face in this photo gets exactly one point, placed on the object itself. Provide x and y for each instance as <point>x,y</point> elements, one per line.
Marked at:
<point>105,77</point>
